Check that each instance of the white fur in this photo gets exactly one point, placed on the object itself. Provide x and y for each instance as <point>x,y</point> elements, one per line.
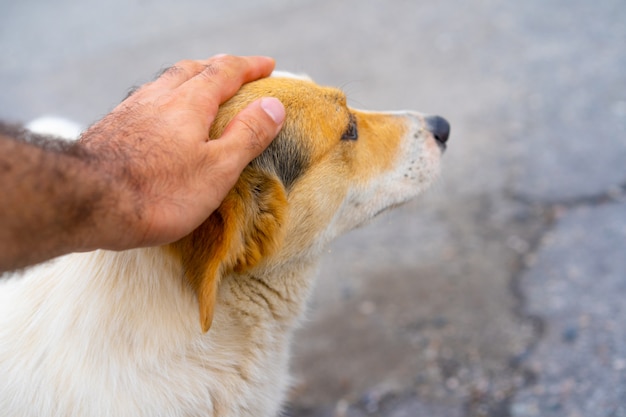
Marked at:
<point>287,74</point>
<point>57,126</point>
<point>117,334</point>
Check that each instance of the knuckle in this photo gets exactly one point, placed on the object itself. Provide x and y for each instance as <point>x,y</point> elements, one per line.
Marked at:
<point>210,71</point>
<point>172,71</point>
<point>219,72</point>
<point>181,68</point>
<point>225,67</point>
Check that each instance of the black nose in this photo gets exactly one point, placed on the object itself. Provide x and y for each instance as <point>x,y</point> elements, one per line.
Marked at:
<point>439,127</point>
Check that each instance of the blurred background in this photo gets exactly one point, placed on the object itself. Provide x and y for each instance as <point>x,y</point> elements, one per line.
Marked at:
<point>501,291</point>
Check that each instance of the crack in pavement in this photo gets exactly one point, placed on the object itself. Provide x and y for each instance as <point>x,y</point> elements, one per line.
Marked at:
<point>552,212</point>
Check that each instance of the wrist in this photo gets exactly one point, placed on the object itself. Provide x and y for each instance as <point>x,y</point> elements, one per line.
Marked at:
<point>113,206</point>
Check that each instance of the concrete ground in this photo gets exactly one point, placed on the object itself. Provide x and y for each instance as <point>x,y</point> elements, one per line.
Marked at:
<point>500,292</point>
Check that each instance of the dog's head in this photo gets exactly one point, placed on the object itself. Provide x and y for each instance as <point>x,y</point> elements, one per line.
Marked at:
<point>330,169</point>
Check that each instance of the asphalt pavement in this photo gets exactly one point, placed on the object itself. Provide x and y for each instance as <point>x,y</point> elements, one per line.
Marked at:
<point>498,293</point>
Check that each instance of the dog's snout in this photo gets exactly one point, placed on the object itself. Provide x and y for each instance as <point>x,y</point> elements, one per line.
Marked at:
<point>439,127</point>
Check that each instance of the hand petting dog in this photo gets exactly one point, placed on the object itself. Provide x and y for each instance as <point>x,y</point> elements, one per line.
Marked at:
<point>146,174</point>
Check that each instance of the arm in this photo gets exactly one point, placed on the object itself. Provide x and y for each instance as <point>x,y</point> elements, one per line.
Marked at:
<point>143,175</point>
<point>50,196</point>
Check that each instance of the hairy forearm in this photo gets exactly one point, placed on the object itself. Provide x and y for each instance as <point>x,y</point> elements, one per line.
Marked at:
<point>52,196</point>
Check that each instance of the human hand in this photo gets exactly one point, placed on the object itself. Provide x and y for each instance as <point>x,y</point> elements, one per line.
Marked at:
<point>154,148</point>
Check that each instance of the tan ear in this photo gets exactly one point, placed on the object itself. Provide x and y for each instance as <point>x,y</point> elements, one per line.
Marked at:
<point>246,228</point>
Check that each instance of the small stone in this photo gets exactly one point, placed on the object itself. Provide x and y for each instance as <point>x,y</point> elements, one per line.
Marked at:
<point>452,384</point>
<point>570,334</point>
<point>518,244</point>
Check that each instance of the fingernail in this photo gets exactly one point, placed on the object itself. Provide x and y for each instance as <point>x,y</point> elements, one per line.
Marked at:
<point>274,109</point>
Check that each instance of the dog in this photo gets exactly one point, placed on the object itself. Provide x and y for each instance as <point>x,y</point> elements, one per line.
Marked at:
<point>202,327</point>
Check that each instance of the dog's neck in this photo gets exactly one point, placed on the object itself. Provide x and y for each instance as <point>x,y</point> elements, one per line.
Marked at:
<point>274,296</point>
<point>142,294</point>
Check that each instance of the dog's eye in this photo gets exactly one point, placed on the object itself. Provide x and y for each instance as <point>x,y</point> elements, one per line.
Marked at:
<point>351,132</point>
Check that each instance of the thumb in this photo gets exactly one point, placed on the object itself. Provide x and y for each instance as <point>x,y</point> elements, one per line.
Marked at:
<point>253,129</point>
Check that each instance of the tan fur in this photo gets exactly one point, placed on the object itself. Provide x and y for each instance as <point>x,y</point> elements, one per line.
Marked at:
<point>202,327</point>
<point>245,229</point>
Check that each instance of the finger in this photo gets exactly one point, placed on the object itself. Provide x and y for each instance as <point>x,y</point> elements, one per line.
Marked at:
<point>179,73</point>
<point>168,79</point>
<point>223,76</point>
<point>250,132</point>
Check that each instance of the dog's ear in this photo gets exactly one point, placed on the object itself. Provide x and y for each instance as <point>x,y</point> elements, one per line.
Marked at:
<point>246,228</point>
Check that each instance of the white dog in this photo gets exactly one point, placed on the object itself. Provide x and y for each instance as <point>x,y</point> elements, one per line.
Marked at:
<point>202,327</point>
